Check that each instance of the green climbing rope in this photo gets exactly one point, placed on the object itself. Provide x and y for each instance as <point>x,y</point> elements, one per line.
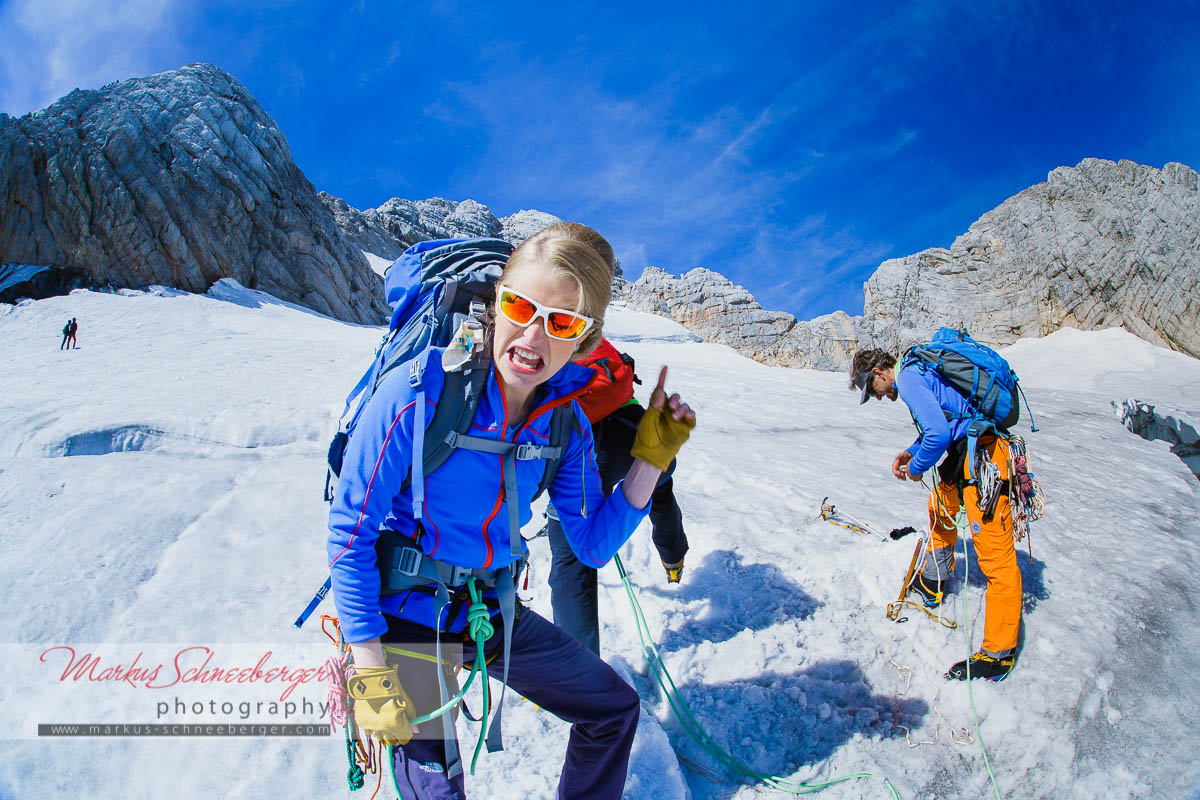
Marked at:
<point>960,522</point>
<point>479,621</point>
<point>692,726</point>
<point>354,775</point>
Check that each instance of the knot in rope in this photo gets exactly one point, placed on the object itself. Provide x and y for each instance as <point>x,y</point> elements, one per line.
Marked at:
<point>478,615</point>
<point>354,775</point>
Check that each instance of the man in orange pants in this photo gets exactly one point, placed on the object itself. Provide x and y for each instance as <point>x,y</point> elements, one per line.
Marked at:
<point>942,415</point>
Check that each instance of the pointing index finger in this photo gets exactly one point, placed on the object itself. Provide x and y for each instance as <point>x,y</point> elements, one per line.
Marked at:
<point>662,380</point>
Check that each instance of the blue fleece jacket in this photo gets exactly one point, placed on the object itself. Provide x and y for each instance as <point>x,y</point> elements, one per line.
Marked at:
<point>929,397</point>
<point>465,515</point>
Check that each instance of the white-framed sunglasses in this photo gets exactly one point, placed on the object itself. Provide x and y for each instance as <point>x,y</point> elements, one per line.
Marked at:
<point>559,323</point>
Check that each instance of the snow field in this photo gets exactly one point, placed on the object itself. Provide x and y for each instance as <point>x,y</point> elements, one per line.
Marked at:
<point>162,484</point>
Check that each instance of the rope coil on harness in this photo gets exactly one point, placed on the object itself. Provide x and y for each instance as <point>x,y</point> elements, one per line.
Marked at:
<point>481,628</point>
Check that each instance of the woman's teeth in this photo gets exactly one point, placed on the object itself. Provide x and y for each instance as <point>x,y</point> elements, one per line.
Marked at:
<point>526,358</point>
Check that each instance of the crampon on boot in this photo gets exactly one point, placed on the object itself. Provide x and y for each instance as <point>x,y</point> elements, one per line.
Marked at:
<point>930,591</point>
<point>674,571</point>
<point>983,666</point>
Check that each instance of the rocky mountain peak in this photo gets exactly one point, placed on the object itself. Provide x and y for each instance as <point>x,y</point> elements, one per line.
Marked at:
<point>1098,245</point>
<point>179,178</point>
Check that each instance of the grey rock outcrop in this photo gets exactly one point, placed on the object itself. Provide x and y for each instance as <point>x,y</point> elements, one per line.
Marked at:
<point>523,224</point>
<point>1095,246</point>
<point>179,178</point>
<point>709,304</point>
<point>1098,245</point>
<point>398,224</point>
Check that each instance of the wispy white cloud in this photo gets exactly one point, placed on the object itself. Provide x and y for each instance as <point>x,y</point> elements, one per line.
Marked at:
<point>54,46</point>
<point>691,190</point>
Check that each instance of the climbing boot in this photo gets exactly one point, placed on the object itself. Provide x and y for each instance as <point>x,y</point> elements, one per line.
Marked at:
<point>983,666</point>
<point>930,591</point>
<point>674,571</point>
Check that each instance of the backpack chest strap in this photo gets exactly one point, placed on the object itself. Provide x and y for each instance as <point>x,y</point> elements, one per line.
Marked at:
<point>512,453</point>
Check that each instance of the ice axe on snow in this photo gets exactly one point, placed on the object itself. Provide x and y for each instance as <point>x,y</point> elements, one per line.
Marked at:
<point>830,513</point>
<point>894,609</point>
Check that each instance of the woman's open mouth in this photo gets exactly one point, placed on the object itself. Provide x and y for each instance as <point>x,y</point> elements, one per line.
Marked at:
<point>524,360</point>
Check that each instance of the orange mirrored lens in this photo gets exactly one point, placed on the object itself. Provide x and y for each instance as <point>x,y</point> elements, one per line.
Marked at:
<point>518,309</point>
<point>558,324</point>
<point>565,326</point>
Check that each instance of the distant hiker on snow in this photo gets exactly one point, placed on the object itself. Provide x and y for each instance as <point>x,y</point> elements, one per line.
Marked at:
<point>943,417</point>
<point>69,331</point>
<point>460,523</point>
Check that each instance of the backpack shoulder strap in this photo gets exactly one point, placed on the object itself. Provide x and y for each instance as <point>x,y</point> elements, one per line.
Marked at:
<point>563,421</point>
<point>453,412</point>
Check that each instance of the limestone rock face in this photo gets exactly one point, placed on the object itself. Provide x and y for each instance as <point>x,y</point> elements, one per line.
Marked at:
<point>712,306</point>
<point>181,179</point>
<point>1096,245</point>
<point>523,224</point>
<point>371,230</point>
<point>398,224</point>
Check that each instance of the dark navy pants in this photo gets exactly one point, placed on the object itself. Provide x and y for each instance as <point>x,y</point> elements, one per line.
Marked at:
<point>572,583</point>
<point>558,674</point>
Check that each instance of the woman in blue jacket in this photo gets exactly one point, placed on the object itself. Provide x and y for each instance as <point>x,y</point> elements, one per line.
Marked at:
<point>549,308</point>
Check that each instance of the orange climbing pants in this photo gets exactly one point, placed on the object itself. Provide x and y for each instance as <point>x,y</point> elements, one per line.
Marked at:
<point>994,548</point>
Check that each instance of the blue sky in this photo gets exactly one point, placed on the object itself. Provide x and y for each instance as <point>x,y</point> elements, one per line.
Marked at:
<point>790,146</point>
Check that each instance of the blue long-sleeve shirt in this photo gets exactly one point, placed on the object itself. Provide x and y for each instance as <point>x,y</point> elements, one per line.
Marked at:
<point>929,398</point>
<point>466,517</point>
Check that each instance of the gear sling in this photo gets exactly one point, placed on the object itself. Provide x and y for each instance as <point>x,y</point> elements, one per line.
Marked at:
<point>439,292</point>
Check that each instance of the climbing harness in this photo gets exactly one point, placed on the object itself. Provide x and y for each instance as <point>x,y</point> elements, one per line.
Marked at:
<point>842,519</point>
<point>687,720</point>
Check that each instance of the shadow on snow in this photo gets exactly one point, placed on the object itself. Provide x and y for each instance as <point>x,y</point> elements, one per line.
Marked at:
<point>777,724</point>
<point>740,596</point>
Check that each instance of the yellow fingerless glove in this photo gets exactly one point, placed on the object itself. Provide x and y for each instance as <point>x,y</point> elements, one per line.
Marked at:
<point>659,437</point>
<point>382,709</point>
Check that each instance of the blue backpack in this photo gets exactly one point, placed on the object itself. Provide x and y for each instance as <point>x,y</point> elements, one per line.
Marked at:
<point>439,292</point>
<point>990,386</point>
<point>432,289</point>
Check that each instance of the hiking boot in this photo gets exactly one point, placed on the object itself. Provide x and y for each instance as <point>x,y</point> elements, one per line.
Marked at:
<point>983,666</point>
<point>674,571</point>
<point>931,591</point>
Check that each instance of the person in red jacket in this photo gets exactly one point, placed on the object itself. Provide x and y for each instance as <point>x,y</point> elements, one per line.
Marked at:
<point>614,415</point>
